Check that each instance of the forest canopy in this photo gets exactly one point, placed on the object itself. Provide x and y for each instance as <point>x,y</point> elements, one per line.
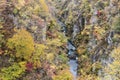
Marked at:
<point>59,40</point>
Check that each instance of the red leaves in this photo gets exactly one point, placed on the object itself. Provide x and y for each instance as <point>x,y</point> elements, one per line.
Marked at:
<point>99,13</point>
<point>29,66</point>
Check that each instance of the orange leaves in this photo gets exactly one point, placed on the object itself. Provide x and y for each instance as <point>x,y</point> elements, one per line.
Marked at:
<point>1,52</point>
<point>81,50</point>
<point>50,34</point>
<point>97,35</point>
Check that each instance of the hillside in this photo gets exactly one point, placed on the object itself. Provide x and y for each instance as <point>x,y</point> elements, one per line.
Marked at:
<point>59,40</point>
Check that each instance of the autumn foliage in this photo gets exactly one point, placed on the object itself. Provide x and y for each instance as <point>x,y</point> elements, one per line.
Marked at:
<point>22,43</point>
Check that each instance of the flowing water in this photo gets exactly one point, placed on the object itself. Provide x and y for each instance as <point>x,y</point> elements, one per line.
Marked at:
<point>73,60</point>
<point>71,51</point>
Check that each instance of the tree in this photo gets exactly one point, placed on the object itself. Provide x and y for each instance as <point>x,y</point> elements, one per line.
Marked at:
<point>113,69</point>
<point>63,75</point>
<point>22,43</point>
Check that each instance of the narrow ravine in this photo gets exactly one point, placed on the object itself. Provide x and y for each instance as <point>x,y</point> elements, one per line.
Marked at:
<point>72,59</point>
<point>60,40</point>
<point>71,51</point>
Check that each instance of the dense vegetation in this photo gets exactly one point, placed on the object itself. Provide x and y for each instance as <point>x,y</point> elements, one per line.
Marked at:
<point>34,34</point>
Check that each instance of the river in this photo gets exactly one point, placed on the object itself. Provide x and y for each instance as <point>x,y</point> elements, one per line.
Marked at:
<point>71,52</point>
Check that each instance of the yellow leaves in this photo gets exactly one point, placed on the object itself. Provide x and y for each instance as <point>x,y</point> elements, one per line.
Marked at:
<point>97,65</point>
<point>34,28</point>
<point>36,9</point>
<point>63,75</point>
<point>50,56</point>
<point>19,3</point>
<point>70,17</point>
<point>62,38</point>
<point>39,49</point>
<point>117,50</point>
<point>39,53</point>
<point>99,32</point>
<point>88,77</point>
<point>114,67</point>
<point>36,64</point>
<point>44,5</point>
<point>81,50</point>
<point>86,30</point>
<point>55,42</point>
<point>116,53</point>
<point>1,26</point>
<point>12,72</point>
<point>117,36</point>
<point>22,64</point>
<point>22,42</point>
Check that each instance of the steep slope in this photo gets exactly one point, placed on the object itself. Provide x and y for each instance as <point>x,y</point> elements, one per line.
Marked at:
<point>35,37</point>
<point>31,44</point>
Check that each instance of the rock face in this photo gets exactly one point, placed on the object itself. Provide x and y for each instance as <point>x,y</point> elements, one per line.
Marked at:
<point>94,42</point>
<point>89,29</point>
<point>71,54</point>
